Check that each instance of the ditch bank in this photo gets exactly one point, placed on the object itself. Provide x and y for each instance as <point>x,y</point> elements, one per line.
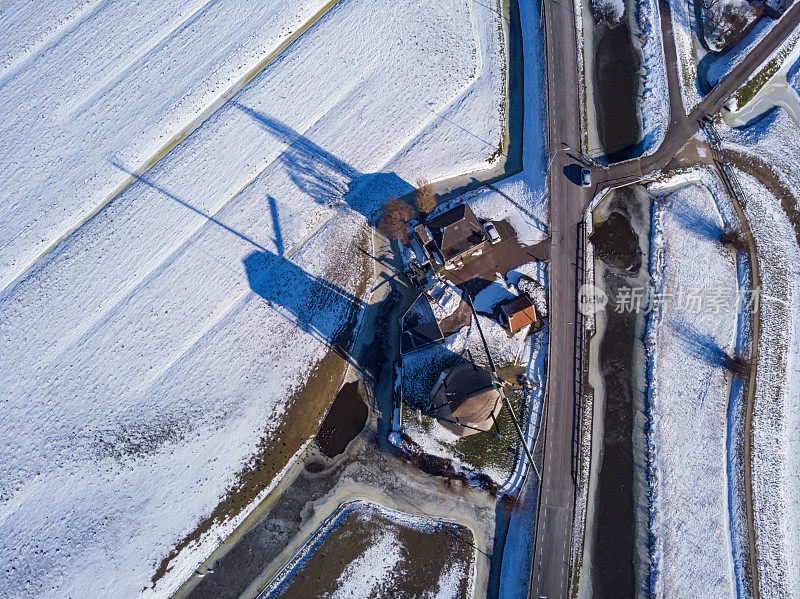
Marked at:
<point>615,554</point>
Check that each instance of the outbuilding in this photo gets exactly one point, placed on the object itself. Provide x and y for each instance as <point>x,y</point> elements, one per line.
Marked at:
<point>518,313</point>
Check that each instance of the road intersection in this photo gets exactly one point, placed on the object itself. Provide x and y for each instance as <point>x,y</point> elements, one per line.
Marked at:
<point>550,572</point>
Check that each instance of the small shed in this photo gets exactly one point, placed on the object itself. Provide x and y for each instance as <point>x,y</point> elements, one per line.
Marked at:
<point>466,400</point>
<point>518,313</point>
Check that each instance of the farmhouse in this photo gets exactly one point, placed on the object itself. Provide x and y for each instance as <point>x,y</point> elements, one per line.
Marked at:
<point>466,400</point>
<point>451,236</point>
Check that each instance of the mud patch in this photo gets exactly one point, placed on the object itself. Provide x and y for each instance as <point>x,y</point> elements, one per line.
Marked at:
<point>369,551</point>
<point>344,421</point>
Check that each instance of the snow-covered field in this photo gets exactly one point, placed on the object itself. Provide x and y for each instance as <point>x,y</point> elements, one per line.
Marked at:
<point>771,209</point>
<point>688,395</point>
<point>163,298</point>
<point>655,95</point>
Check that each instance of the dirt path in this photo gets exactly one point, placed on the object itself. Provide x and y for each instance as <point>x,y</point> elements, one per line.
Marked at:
<point>755,283</point>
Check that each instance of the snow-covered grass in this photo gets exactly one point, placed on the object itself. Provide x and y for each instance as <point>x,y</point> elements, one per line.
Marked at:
<point>688,399</point>
<point>113,84</point>
<point>720,65</point>
<point>149,354</point>
<point>768,85</point>
<point>769,176</point>
<point>698,68</point>
<point>528,189</point>
<point>685,40</point>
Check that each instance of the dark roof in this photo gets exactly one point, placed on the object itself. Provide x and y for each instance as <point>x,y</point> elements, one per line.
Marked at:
<point>471,394</point>
<point>420,336</point>
<point>456,231</point>
<point>519,312</point>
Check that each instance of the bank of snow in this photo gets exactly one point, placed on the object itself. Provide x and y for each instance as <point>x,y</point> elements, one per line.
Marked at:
<point>771,210</point>
<point>655,92</point>
<point>691,551</point>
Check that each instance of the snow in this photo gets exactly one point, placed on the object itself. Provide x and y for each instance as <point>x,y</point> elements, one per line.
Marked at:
<point>688,395</point>
<point>655,92</point>
<point>448,585</point>
<point>776,416</point>
<point>78,105</point>
<point>611,9</point>
<point>444,300</point>
<point>719,66</point>
<point>682,31</point>
<point>700,69</point>
<point>371,570</point>
<point>724,20</point>
<point>154,327</point>
<point>495,293</point>
<point>528,189</point>
<point>386,558</point>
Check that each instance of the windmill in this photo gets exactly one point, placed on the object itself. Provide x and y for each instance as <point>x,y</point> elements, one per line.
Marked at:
<point>470,397</point>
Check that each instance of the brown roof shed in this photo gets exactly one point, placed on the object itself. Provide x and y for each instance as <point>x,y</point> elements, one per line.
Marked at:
<point>518,313</point>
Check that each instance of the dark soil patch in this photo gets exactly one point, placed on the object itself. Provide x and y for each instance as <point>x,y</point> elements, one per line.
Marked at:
<point>426,555</point>
<point>315,467</point>
<point>344,421</point>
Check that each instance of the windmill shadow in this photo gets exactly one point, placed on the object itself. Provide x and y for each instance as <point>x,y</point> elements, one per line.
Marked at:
<point>325,311</point>
<point>325,178</point>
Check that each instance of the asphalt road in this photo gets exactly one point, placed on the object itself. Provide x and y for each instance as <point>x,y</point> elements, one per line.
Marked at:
<point>550,575</point>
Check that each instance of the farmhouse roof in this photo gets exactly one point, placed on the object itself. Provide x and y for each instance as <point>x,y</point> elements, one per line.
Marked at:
<point>456,231</point>
<point>471,394</point>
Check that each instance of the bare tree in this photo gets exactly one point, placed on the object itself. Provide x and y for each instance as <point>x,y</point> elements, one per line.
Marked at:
<point>424,197</point>
<point>392,222</point>
<point>734,238</point>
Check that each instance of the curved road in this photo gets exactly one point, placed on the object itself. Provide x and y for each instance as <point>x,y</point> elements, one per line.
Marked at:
<point>550,572</point>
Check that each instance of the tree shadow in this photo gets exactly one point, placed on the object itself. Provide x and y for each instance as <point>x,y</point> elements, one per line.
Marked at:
<point>703,346</point>
<point>693,220</point>
<point>325,178</point>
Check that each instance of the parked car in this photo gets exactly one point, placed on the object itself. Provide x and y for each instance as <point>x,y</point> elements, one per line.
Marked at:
<point>586,177</point>
<point>494,236</point>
